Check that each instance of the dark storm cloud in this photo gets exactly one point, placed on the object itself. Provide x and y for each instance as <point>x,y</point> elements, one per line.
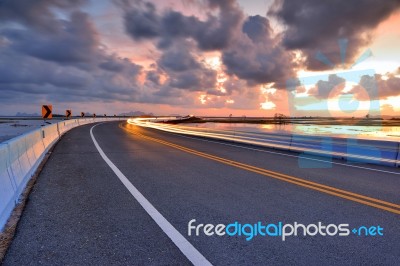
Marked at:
<point>21,70</point>
<point>65,63</point>
<point>187,80</point>
<point>37,13</point>
<point>217,32</point>
<point>368,88</point>
<point>194,80</point>
<point>182,70</point>
<point>143,22</point>
<point>249,49</point>
<point>153,76</point>
<point>377,86</point>
<point>73,42</point>
<point>47,79</point>
<point>312,26</point>
<point>256,56</point>
<point>332,87</point>
<point>178,59</point>
<point>112,64</point>
<point>257,28</point>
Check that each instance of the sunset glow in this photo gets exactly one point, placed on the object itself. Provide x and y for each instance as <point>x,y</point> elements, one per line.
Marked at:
<point>220,58</point>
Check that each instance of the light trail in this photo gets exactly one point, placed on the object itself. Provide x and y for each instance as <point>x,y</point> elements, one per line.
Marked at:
<point>282,142</point>
<point>369,201</point>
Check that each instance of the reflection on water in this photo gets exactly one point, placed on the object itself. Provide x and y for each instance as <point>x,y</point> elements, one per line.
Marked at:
<point>367,132</point>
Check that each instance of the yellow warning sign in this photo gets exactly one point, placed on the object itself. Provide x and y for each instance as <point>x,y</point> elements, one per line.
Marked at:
<point>68,113</point>
<point>47,111</point>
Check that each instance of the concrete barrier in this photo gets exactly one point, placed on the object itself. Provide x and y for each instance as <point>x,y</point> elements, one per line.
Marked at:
<point>311,144</point>
<point>28,139</point>
<point>20,157</point>
<point>15,169</point>
<point>35,148</point>
<point>61,127</point>
<point>37,144</point>
<point>353,150</point>
<point>7,188</point>
<point>339,148</point>
<point>398,155</point>
<point>372,151</point>
<point>66,125</point>
<point>19,163</point>
<point>50,135</point>
<point>311,147</point>
<point>71,124</point>
<point>281,142</point>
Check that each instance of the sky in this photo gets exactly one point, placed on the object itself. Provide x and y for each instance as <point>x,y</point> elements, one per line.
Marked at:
<point>201,57</point>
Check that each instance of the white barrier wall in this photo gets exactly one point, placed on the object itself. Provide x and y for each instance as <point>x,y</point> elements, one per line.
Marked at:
<point>7,187</point>
<point>370,151</point>
<point>21,156</point>
<point>19,162</point>
<point>354,150</point>
<point>50,135</point>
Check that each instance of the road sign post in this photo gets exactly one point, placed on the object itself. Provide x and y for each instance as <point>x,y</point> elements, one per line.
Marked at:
<point>68,113</point>
<point>47,111</point>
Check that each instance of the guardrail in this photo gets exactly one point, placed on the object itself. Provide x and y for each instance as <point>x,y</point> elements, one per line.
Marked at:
<point>352,149</point>
<point>21,156</point>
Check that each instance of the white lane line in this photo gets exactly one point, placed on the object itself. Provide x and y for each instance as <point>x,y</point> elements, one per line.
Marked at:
<point>288,155</point>
<point>179,240</point>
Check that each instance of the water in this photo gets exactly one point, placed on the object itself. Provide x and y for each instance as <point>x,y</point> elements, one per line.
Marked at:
<point>11,128</point>
<point>391,133</point>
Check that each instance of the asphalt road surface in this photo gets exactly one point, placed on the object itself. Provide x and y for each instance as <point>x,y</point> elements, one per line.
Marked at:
<point>80,212</point>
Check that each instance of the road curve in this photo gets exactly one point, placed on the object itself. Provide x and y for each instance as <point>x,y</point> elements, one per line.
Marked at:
<point>80,211</point>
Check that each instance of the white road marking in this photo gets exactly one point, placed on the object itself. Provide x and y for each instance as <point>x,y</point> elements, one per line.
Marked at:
<point>179,240</point>
<point>283,154</point>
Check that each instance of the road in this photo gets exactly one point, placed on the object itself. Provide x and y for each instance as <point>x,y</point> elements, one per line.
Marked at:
<point>80,212</point>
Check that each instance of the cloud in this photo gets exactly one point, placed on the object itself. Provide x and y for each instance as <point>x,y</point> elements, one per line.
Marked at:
<point>143,22</point>
<point>194,80</point>
<point>387,109</point>
<point>256,56</point>
<point>257,28</point>
<point>178,58</point>
<point>312,26</point>
<point>75,41</point>
<point>36,14</point>
<point>377,87</point>
<point>52,51</point>
<point>68,63</point>
<point>330,88</point>
<point>249,49</point>
<point>48,80</point>
<point>154,77</point>
<point>64,64</point>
